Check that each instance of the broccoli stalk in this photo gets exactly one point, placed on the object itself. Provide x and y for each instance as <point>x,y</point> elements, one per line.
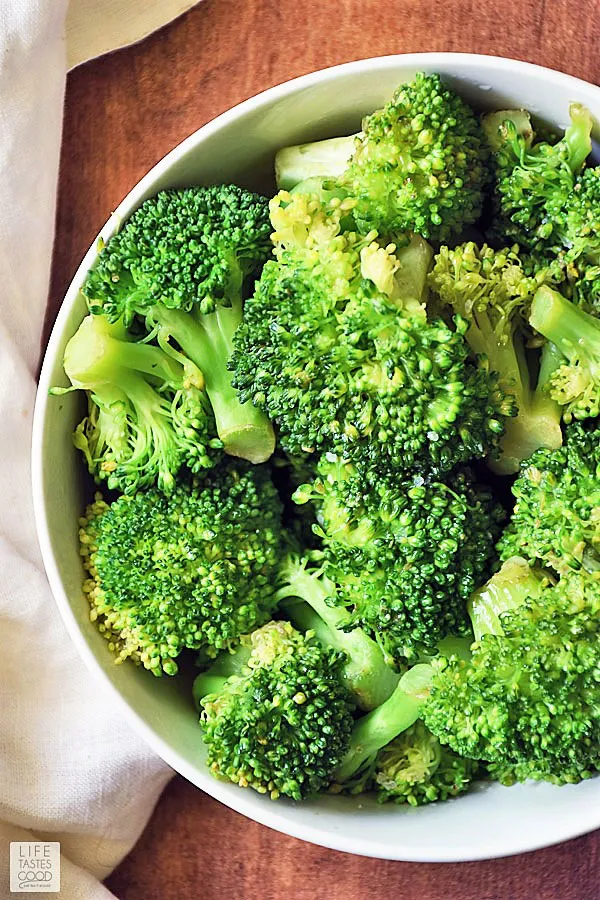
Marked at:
<point>183,262</point>
<point>148,412</point>
<point>319,159</point>
<point>207,339</point>
<point>365,671</point>
<point>576,383</point>
<point>380,726</point>
<point>506,590</point>
<point>490,290</point>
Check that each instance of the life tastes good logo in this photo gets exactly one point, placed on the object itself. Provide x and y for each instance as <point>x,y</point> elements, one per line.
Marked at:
<point>34,867</point>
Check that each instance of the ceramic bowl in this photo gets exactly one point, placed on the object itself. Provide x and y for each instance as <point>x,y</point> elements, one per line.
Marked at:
<point>239,146</point>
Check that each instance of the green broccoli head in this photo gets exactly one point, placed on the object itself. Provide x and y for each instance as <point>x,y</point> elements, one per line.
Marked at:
<point>420,164</point>
<point>528,701</point>
<point>336,347</point>
<point>148,413</point>
<point>192,569</point>
<point>279,722</point>
<point>492,292</point>
<point>416,768</point>
<point>182,263</point>
<point>182,248</point>
<point>405,555</point>
<point>556,519</point>
<point>535,180</point>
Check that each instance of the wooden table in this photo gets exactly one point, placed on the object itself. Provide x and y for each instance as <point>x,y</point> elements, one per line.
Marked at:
<point>123,113</point>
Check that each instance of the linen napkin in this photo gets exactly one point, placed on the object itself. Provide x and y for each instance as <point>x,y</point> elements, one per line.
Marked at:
<point>70,769</point>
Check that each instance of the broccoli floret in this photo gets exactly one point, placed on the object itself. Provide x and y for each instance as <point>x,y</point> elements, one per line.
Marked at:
<point>183,262</point>
<point>336,347</point>
<point>415,768</point>
<point>575,384</point>
<point>148,413</point>
<point>276,715</point>
<point>556,520</point>
<point>404,554</point>
<point>491,291</point>
<point>306,596</point>
<point>582,257</point>
<point>419,165</point>
<point>535,180</point>
<point>192,569</point>
<point>528,701</point>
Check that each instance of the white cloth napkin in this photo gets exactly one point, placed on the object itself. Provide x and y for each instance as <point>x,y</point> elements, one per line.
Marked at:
<point>70,769</point>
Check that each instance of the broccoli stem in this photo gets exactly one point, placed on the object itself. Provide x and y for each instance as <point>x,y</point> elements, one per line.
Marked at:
<point>327,158</point>
<point>365,671</point>
<point>382,725</point>
<point>577,137</point>
<point>496,124</point>
<point>207,340</point>
<point>227,664</point>
<point>537,423</point>
<point>574,332</point>
<point>99,347</point>
<point>506,590</point>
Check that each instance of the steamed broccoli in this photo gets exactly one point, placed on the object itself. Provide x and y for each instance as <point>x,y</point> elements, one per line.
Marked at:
<point>415,768</point>
<point>574,384</point>
<point>535,180</point>
<point>419,165</point>
<point>277,715</point>
<point>306,596</point>
<point>336,347</point>
<point>148,411</point>
<point>491,291</point>
<point>556,519</point>
<point>528,701</point>
<point>192,569</point>
<point>183,263</point>
<point>404,554</point>
<point>582,256</point>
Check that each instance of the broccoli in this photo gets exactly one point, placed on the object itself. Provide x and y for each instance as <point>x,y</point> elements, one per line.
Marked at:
<point>535,180</point>
<point>491,291</point>
<point>415,768</point>
<point>277,716</point>
<point>336,347</point>
<point>405,554</point>
<point>192,569</point>
<point>556,520</point>
<point>574,384</point>
<point>528,701</point>
<point>182,263</point>
<point>582,257</point>
<point>148,414</point>
<point>419,165</point>
<point>305,595</point>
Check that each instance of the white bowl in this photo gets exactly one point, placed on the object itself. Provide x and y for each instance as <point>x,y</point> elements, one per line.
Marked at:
<point>239,146</point>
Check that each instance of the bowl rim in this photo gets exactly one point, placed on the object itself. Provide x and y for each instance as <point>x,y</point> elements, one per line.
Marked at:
<point>268,816</point>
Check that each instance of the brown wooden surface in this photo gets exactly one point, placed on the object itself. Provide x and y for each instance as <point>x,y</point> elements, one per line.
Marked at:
<point>122,114</point>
